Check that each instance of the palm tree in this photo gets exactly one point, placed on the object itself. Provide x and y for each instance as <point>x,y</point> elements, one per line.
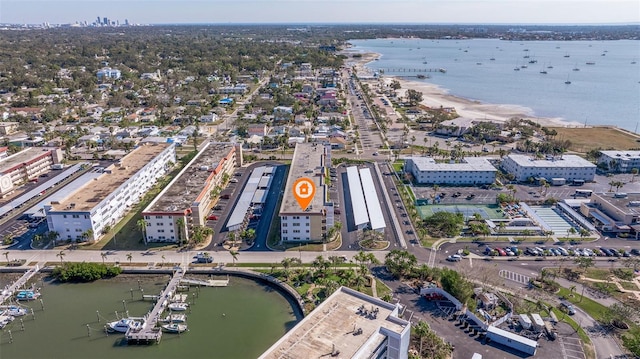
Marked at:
<point>6,255</point>
<point>104,256</point>
<point>611,184</point>
<point>61,255</point>
<point>181,229</point>
<point>142,226</point>
<point>129,257</point>
<point>234,256</point>
<point>163,260</point>
<point>421,329</point>
<point>634,173</point>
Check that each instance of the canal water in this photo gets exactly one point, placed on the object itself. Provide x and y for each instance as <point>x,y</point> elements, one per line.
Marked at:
<point>238,321</point>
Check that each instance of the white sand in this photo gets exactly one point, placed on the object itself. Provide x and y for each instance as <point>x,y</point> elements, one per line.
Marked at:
<point>435,96</point>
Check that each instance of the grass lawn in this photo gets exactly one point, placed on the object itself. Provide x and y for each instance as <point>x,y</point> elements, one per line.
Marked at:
<point>398,165</point>
<point>597,273</point>
<point>593,308</point>
<point>585,139</point>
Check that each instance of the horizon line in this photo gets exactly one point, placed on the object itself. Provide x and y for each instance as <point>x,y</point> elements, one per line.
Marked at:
<point>321,23</point>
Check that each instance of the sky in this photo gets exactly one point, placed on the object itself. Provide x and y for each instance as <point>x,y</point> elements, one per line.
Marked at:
<point>323,11</point>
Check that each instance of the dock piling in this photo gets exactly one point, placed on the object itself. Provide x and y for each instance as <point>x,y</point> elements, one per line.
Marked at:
<point>42,304</point>
<point>21,324</point>
<point>88,330</point>
<point>124,305</point>
<point>98,315</point>
<point>10,336</point>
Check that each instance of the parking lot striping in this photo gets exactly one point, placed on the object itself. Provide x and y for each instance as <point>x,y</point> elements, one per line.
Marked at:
<point>564,343</point>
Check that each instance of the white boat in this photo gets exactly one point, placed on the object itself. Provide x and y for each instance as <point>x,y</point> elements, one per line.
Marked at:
<point>123,325</point>
<point>5,319</point>
<point>178,307</point>
<point>174,328</point>
<point>14,310</point>
<point>175,318</point>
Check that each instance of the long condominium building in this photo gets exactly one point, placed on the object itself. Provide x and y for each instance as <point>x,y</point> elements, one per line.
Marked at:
<point>186,201</point>
<point>619,161</point>
<point>310,225</point>
<point>94,207</point>
<point>470,171</point>
<point>25,166</point>
<point>569,167</point>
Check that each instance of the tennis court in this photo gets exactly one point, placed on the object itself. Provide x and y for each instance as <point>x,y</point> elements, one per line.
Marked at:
<point>486,211</point>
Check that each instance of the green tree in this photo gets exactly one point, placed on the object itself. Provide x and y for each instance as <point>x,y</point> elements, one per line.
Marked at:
<point>142,227</point>
<point>61,255</point>
<point>6,255</point>
<point>129,257</point>
<point>421,329</point>
<point>104,256</point>
<point>234,256</point>
<point>399,262</point>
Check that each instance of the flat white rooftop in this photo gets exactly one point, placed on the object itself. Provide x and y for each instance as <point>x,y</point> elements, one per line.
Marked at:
<point>333,323</point>
<point>622,155</point>
<point>307,162</point>
<point>90,194</point>
<point>470,164</point>
<point>360,215</point>
<point>555,162</point>
<point>376,218</point>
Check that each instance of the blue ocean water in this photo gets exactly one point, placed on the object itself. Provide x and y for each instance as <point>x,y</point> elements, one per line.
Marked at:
<point>604,92</point>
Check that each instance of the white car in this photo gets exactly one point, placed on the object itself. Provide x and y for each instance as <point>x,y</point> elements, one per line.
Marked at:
<point>454,258</point>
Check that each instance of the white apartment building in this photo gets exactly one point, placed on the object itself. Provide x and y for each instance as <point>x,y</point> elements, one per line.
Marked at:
<point>93,208</point>
<point>470,171</point>
<point>569,167</point>
<point>620,161</point>
<point>26,165</point>
<point>186,201</point>
<point>309,160</point>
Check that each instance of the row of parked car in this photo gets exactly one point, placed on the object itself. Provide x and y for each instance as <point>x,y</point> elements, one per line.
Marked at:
<point>561,251</point>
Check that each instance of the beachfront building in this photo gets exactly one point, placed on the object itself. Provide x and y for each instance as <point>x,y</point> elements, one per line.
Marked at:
<point>310,225</point>
<point>93,208</point>
<point>569,167</point>
<point>469,171</point>
<point>619,161</point>
<point>187,200</point>
<point>26,165</point>
<point>373,330</point>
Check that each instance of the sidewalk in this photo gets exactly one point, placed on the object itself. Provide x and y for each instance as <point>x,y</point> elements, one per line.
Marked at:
<point>606,301</point>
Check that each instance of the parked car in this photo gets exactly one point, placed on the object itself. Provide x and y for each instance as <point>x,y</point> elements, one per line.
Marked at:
<point>567,307</point>
<point>212,218</point>
<point>454,258</point>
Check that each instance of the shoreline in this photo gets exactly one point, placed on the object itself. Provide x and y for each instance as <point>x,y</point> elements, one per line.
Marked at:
<point>435,96</point>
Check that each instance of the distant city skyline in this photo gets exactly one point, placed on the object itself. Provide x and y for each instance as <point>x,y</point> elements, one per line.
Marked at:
<point>323,11</point>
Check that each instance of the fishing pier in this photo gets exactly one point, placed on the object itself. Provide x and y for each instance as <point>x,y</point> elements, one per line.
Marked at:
<point>150,333</point>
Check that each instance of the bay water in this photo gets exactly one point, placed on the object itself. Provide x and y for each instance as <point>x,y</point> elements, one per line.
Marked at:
<point>604,92</point>
<point>238,321</point>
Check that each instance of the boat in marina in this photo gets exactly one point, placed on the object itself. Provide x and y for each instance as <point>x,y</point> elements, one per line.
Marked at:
<point>125,324</point>
<point>178,307</point>
<point>27,295</point>
<point>175,318</point>
<point>174,328</point>
<point>5,319</point>
<point>14,310</point>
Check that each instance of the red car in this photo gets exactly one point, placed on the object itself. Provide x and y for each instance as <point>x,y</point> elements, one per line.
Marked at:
<point>212,218</point>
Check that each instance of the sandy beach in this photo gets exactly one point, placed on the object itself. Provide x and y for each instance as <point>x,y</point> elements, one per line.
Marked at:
<point>435,97</point>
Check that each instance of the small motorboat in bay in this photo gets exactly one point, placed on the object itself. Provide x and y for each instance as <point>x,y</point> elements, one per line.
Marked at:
<point>175,318</point>
<point>14,310</point>
<point>27,295</point>
<point>178,307</point>
<point>174,328</point>
<point>124,324</point>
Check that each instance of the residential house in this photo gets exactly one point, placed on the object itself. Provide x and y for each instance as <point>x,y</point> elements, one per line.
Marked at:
<point>107,73</point>
<point>212,117</point>
<point>257,129</point>
<point>8,128</point>
<point>282,113</point>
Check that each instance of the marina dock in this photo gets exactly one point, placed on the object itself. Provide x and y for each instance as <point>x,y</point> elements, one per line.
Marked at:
<point>8,292</point>
<point>150,333</point>
<point>206,283</point>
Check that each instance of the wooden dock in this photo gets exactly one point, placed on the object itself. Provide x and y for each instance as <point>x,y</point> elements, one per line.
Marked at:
<point>9,291</point>
<point>207,283</point>
<point>150,333</point>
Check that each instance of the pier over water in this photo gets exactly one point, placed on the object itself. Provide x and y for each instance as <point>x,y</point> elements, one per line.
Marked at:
<point>8,292</point>
<point>150,333</point>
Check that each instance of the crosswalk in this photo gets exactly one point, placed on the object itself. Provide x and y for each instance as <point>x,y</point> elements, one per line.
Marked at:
<point>513,276</point>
